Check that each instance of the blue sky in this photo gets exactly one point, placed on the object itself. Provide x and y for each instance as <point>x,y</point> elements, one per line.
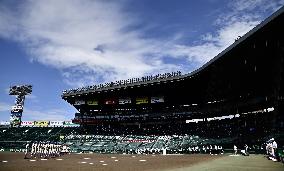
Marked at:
<point>56,45</point>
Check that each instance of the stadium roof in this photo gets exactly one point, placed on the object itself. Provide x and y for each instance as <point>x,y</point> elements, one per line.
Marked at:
<point>173,77</point>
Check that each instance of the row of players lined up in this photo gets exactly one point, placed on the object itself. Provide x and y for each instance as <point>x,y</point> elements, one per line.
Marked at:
<point>209,149</point>
<point>45,149</point>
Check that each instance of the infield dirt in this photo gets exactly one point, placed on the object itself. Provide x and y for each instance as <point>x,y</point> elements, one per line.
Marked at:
<point>102,162</point>
<point>118,162</point>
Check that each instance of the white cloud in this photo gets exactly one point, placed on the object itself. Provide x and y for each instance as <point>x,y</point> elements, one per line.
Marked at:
<point>65,34</point>
<point>212,44</point>
<point>241,18</point>
<point>241,5</point>
<point>91,41</point>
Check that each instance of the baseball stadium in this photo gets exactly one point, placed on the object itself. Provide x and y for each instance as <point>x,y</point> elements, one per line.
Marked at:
<point>226,115</point>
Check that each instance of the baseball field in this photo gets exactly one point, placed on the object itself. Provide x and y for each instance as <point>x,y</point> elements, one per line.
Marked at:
<point>118,162</point>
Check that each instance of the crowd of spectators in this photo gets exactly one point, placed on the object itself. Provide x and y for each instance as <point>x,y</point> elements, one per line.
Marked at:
<point>124,82</point>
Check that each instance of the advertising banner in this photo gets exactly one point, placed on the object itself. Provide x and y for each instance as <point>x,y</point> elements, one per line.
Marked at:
<point>157,100</point>
<point>41,123</point>
<point>56,123</point>
<point>142,100</point>
<point>92,102</point>
<point>110,101</point>
<point>79,102</point>
<point>124,101</point>
<point>70,124</point>
<point>27,123</point>
<point>67,122</point>
<point>4,123</point>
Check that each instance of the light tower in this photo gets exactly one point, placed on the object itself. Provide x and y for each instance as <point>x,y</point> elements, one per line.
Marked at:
<point>20,91</point>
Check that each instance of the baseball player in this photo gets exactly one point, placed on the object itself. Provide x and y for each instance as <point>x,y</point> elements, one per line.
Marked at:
<point>27,150</point>
<point>235,149</point>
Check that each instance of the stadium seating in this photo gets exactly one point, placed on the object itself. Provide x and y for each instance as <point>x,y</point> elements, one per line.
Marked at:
<point>175,138</point>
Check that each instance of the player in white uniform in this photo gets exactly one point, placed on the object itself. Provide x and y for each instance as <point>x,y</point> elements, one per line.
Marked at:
<point>27,150</point>
<point>216,150</point>
<point>45,150</point>
<point>235,149</point>
<point>34,149</point>
<point>49,149</point>
<point>64,149</point>
<point>246,149</point>
<point>53,149</point>
<point>220,149</point>
<point>268,147</point>
<point>58,150</point>
<point>41,150</point>
<point>273,149</point>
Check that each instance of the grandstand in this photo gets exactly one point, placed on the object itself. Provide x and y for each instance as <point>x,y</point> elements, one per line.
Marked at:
<point>238,95</point>
<point>235,98</point>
